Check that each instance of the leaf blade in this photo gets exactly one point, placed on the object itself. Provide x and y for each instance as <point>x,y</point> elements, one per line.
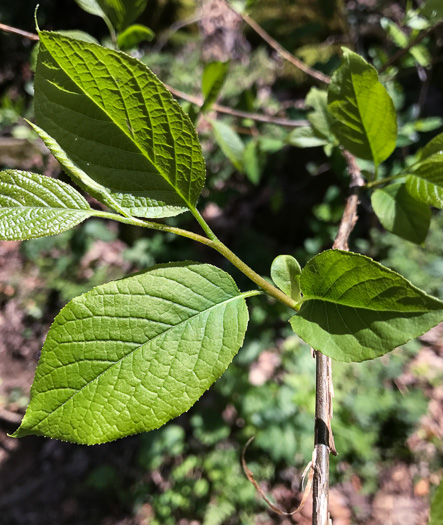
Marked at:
<point>145,348</point>
<point>366,122</point>
<point>33,206</point>
<point>356,309</point>
<point>125,130</point>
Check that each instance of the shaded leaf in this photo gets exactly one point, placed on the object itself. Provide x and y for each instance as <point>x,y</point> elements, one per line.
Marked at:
<point>285,272</point>
<point>251,162</point>
<point>213,79</point>
<point>230,143</point>
<point>435,145</point>
<point>305,138</point>
<point>320,119</point>
<point>402,214</point>
<point>355,309</point>
<point>33,206</point>
<point>366,119</point>
<point>133,35</point>
<point>130,355</point>
<point>108,116</point>
<point>433,9</point>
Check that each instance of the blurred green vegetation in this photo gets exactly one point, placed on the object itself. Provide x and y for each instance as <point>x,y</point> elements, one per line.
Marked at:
<point>191,467</point>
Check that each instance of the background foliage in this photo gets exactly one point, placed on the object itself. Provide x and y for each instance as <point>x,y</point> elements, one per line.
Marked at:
<point>275,199</point>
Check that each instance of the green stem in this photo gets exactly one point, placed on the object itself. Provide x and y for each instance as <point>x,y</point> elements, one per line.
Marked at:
<point>211,235</point>
<point>213,243</point>
<point>380,182</point>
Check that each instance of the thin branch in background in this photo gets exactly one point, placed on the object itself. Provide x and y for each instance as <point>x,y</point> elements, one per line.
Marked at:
<point>324,440</point>
<point>173,29</point>
<point>9,29</point>
<point>318,75</point>
<point>198,101</point>
<point>402,52</point>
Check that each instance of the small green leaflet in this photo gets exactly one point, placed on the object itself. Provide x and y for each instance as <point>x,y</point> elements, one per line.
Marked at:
<point>130,355</point>
<point>133,36</point>
<point>306,137</point>
<point>321,119</point>
<point>366,122</point>
<point>230,143</point>
<point>355,309</point>
<point>285,272</point>
<point>33,206</point>
<point>402,214</point>
<point>108,116</point>
<point>213,79</point>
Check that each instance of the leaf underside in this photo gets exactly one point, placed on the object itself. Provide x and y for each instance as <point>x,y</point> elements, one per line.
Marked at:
<point>111,118</point>
<point>130,355</point>
<point>356,309</point>
<point>33,206</point>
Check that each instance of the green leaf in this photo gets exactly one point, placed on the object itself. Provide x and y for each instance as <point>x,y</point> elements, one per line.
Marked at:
<point>435,145</point>
<point>134,35</point>
<point>436,517</point>
<point>430,169</point>
<point>433,9</point>
<point>251,162</point>
<point>108,116</point>
<point>33,206</point>
<point>355,309</point>
<point>402,214</point>
<point>130,355</point>
<point>285,272</point>
<point>306,138</point>
<point>320,119</point>
<point>213,79</point>
<point>119,12</point>
<point>366,120</point>
<point>230,143</point>
<point>394,31</point>
<point>425,191</point>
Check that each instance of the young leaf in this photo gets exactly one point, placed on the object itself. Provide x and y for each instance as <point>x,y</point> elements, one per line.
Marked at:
<point>130,355</point>
<point>320,119</point>
<point>213,79</point>
<point>133,36</point>
<point>355,309</point>
<point>251,162</point>
<point>230,143</point>
<point>306,138</point>
<point>33,206</point>
<point>285,272</point>
<point>366,120</point>
<point>436,517</point>
<point>109,116</point>
<point>402,214</point>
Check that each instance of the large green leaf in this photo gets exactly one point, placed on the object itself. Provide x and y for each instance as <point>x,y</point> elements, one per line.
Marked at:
<point>366,121</point>
<point>425,191</point>
<point>435,145</point>
<point>130,355</point>
<point>111,118</point>
<point>402,214</point>
<point>120,13</point>
<point>356,309</point>
<point>436,517</point>
<point>33,206</point>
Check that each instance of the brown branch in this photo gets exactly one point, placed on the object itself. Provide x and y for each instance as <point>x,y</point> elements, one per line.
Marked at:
<point>324,440</point>
<point>402,52</point>
<point>9,29</point>
<point>318,75</point>
<point>237,113</point>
